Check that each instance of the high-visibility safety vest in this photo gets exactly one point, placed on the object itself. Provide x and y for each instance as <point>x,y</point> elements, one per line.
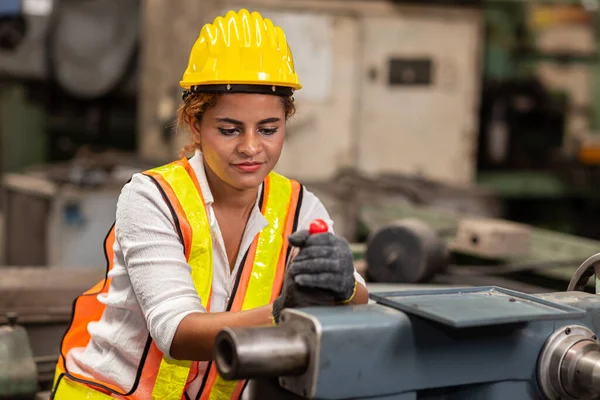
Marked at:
<point>257,284</point>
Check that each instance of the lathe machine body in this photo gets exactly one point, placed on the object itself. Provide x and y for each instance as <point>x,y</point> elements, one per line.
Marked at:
<point>474,343</point>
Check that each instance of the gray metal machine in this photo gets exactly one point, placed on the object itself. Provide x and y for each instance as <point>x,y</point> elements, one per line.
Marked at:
<point>474,343</point>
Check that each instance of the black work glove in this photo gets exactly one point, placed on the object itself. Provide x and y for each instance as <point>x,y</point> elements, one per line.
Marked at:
<point>294,296</point>
<point>323,262</point>
<point>321,274</point>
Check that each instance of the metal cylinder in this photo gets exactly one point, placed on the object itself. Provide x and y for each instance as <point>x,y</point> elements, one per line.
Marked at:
<point>252,353</point>
<point>405,251</point>
<point>569,365</point>
<point>584,377</point>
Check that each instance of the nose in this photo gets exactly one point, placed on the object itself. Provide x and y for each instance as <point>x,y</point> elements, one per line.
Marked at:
<point>249,144</point>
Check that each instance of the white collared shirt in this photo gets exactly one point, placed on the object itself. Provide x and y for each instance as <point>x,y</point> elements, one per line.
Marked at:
<point>151,288</point>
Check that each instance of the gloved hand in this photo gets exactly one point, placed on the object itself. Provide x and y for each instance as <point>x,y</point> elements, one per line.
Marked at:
<point>323,262</point>
<point>293,296</point>
<point>321,274</point>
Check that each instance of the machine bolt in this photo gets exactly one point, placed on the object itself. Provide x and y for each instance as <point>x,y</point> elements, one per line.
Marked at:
<point>594,337</point>
<point>567,331</point>
<point>12,317</point>
<point>512,299</point>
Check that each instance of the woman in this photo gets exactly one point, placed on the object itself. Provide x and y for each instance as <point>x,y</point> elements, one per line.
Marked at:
<point>202,244</point>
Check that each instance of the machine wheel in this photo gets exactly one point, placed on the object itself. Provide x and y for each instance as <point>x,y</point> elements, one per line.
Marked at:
<point>584,273</point>
<point>406,251</point>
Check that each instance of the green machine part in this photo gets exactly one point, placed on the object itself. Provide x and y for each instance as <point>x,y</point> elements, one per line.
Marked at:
<point>546,246</point>
<point>18,371</point>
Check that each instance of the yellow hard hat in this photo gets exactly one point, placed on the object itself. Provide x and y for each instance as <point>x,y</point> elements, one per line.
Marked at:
<point>241,52</point>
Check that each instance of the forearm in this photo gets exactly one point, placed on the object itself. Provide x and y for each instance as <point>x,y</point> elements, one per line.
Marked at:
<point>195,335</point>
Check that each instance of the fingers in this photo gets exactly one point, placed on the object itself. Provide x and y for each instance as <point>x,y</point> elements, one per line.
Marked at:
<point>314,252</point>
<point>313,260</point>
<point>306,297</point>
<point>317,245</point>
<point>301,267</point>
<point>303,238</point>
<point>298,238</point>
<point>321,239</point>
<point>325,280</point>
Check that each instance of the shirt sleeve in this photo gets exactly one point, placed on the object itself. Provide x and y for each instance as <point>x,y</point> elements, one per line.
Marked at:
<point>154,259</point>
<point>312,209</point>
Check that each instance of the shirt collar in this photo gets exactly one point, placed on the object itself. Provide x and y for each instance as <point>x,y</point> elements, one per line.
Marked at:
<point>197,163</point>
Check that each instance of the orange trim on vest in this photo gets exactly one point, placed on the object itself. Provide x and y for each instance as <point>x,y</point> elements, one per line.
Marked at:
<point>87,309</point>
<point>289,226</point>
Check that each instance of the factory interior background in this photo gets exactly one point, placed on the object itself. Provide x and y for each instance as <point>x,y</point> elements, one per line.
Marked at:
<point>452,142</point>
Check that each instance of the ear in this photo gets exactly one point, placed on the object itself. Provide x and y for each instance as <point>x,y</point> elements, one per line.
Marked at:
<point>194,125</point>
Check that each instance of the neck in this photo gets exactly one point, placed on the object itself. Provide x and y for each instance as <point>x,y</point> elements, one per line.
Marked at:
<point>229,197</point>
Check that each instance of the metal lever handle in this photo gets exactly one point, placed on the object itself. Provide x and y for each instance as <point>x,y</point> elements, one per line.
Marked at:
<point>584,273</point>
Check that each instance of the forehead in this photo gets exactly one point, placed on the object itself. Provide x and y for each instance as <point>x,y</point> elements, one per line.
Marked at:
<point>247,107</point>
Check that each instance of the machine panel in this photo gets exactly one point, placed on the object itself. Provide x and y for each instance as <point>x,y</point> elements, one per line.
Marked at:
<point>475,307</point>
<point>418,94</point>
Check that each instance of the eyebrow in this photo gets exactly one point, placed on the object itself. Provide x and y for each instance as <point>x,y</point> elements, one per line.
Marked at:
<point>269,120</point>
<point>230,120</point>
<point>236,122</point>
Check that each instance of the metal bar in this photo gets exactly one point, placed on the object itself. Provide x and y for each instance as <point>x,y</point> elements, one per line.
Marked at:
<point>251,353</point>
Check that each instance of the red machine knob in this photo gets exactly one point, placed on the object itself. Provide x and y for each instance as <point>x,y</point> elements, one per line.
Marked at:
<point>318,226</point>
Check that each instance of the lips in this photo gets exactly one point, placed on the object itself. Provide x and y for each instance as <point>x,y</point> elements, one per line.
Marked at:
<point>248,166</point>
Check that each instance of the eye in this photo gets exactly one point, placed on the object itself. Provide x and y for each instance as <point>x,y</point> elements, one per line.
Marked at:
<point>267,131</point>
<point>229,132</point>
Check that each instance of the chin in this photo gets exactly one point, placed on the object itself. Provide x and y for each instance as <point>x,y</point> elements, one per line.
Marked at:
<point>247,182</point>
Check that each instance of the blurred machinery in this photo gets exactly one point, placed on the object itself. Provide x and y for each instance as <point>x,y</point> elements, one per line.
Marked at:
<point>67,78</point>
<point>470,343</point>
<point>48,44</point>
<point>35,311</point>
<point>12,24</point>
<point>18,372</point>
<point>411,243</point>
<point>522,126</point>
<point>539,113</point>
<point>405,251</point>
<point>59,214</point>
